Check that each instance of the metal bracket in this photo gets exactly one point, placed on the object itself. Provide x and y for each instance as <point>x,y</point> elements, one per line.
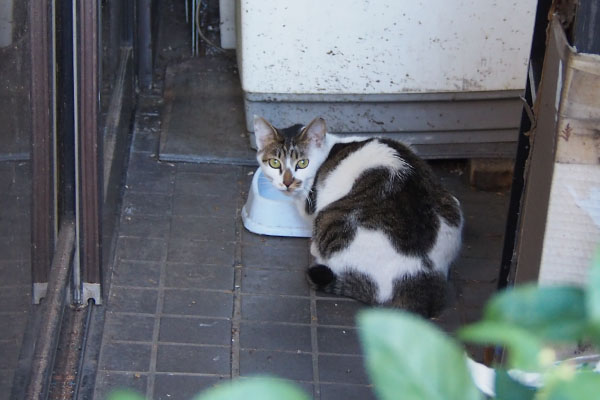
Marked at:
<point>39,292</point>
<point>91,291</point>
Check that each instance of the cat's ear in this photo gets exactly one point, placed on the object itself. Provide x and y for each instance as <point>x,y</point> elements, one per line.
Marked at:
<point>264,132</point>
<point>315,131</point>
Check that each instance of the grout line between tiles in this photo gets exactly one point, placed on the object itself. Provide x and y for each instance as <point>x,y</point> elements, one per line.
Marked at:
<point>159,304</point>
<point>244,321</point>
<point>226,346</point>
<point>237,265</point>
<point>314,342</point>
<point>237,285</point>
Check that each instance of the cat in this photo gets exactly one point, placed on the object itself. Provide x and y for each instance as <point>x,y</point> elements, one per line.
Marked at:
<point>385,231</point>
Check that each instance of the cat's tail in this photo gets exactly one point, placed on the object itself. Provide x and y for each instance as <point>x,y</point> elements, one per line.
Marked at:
<point>348,284</point>
<point>424,293</point>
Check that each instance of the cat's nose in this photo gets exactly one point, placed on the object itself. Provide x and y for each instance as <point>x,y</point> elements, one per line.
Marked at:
<point>288,179</point>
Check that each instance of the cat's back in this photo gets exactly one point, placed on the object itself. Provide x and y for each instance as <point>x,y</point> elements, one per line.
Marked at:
<point>353,165</point>
<point>381,184</point>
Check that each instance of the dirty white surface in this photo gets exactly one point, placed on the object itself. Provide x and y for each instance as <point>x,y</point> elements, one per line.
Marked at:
<point>227,21</point>
<point>6,22</point>
<point>572,232</point>
<point>383,46</point>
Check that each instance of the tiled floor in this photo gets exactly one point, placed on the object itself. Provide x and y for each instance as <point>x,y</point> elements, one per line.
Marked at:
<point>195,298</point>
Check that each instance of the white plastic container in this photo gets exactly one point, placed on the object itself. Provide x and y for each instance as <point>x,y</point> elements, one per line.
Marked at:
<point>269,211</point>
<point>445,77</point>
<point>383,46</point>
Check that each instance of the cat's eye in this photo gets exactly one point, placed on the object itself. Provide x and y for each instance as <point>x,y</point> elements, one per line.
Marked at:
<point>274,163</point>
<point>302,164</point>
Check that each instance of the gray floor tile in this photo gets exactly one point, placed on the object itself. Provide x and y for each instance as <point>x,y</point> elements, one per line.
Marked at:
<point>484,246</point>
<point>133,300</point>
<point>290,282</point>
<point>148,119</point>
<point>198,303</point>
<point>204,206</point>
<point>146,204</point>
<point>219,184</point>
<point>278,257</point>
<point>108,381</point>
<point>333,312</point>
<point>147,162</point>
<point>194,359</point>
<point>12,326</point>
<point>201,252</point>
<point>137,273</point>
<point>195,276</point>
<point>145,226</point>
<point>15,222</point>
<point>448,320</point>
<point>15,248</point>
<point>181,387</point>
<point>14,273</point>
<point>207,168</point>
<point>6,382</point>
<point>284,365</point>
<point>275,308</point>
<point>268,336</point>
<point>342,369</point>
<point>11,204</point>
<point>346,392</point>
<point>157,182</point>
<point>338,340</point>
<point>477,293</point>
<point>16,298</point>
<point>10,355</point>
<point>141,249</point>
<point>125,357</point>
<point>137,328</point>
<point>477,270</point>
<point>195,331</point>
<point>203,228</point>
<point>145,141</point>
<point>202,125</point>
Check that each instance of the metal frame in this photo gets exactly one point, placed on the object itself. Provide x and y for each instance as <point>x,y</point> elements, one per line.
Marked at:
<point>89,174</point>
<point>43,196</point>
<point>45,347</point>
<point>536,57</point>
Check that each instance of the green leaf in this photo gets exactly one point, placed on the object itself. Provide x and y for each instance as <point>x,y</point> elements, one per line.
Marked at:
<point>124,395</point>
<point>509,389</point>
<point>593,297</point>
<point>523,347</point>
<point>258,388</point>
<point>556,313</point>
<point>409,356</point>
<point>582,386</point>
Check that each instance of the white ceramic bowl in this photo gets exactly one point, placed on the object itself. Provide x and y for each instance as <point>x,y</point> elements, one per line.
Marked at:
<point>269,211</point>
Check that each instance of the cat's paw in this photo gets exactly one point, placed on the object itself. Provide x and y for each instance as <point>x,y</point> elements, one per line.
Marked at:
<point>319,276</point>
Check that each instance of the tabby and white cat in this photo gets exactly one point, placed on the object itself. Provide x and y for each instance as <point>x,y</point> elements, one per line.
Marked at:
<point>384,229</point>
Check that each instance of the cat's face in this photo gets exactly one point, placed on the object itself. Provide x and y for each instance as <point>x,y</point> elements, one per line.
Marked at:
<point>290,157</point>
